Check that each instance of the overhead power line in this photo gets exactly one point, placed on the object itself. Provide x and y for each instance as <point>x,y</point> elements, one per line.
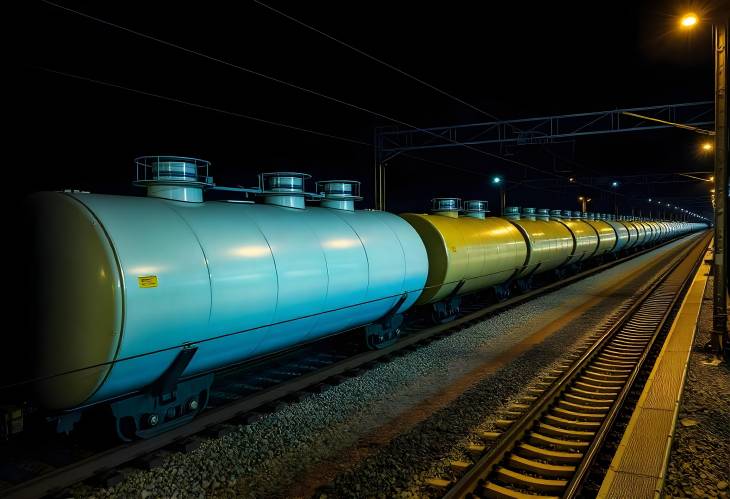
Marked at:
<point>202,106</point>
<point>241,115</point>
<point>291,85</point>
<point>375,59</point>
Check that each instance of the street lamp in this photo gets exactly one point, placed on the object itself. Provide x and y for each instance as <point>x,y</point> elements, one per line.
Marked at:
<point>584,200</point>
<point>707,146</point>
<point>720,340</point>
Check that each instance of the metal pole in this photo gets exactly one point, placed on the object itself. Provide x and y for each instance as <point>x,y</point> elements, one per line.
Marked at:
<point>719,322</point>
<point>382,195</point>
<point>376,170</point>
<point>502,200</point>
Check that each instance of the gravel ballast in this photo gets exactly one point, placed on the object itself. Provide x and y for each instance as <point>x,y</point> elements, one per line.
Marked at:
<point>383,433</point>
<point>699,465</point>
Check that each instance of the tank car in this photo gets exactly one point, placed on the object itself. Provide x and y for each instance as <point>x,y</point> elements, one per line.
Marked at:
<point>141,299</point>
<point>622,233</point>
<point>465,253</point>
<point>584,236</point>
<point>550,243</point>
<point>607,236</point>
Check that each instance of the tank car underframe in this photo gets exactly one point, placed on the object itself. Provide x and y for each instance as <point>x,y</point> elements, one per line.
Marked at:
<point>447,309</point>
<point>385,331</point>
<point>165,404</point>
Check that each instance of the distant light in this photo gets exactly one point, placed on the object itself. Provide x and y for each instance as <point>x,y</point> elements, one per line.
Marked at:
<point>496,180</point>
<point>712,178</point>
<point>707,146</point>
<point>614,184</point>
<point>571,179</point>
<point>688,20</point>
<point>580,198</point>
<point>650,200</point>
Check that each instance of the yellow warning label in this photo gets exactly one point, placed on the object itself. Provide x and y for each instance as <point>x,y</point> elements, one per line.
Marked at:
<point>147,281</point>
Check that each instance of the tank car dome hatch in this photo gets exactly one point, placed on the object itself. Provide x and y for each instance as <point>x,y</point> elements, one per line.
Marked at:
<point>447,207</point>
<point>542,214</point>
<point>284,188</point>
<point>512,212</point>
<point>339,194</point>
<point>476,208</point>
<point>176,178</point>
<point>528,213</point>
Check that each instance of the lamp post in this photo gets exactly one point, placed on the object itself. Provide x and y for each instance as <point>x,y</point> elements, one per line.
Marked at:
<point>719,322</point>
<point>720,340</point>
<point>584,200</point>
<point>499,182</point>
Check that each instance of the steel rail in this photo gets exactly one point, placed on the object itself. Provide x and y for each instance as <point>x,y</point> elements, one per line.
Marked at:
<point>485,466</point>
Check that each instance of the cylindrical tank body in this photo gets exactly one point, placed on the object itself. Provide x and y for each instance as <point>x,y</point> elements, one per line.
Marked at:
<point>633,233</point>
<point>659,231</point>
<point>622,235</point>
<point>641,239</point>
<point>127,281</point>
<point>651,231</point>
<point>549,243</point>
<point>585,237</point>
<point>606,236</point>
<point>665,230</point>
<point>668,230</point>
<point>479,252</point>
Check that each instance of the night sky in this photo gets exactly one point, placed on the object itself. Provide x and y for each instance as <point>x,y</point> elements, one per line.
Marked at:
<point>510,59</point>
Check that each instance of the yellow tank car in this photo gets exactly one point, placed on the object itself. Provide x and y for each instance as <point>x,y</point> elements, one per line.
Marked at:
<point>550,243</point>
<point>641,238</point>
<point>466,253</point>
<point>633,233</point>
<point>606,234</point>
<point>585,237</point>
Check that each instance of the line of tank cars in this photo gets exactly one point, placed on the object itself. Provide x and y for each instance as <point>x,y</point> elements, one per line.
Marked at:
<point>140,300</point>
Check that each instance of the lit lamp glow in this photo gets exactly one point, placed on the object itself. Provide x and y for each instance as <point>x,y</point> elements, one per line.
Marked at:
<point>689,20</point>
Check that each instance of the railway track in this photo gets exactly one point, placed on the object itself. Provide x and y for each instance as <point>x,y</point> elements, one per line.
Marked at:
<point>548,444</point>
<point>285,377</point>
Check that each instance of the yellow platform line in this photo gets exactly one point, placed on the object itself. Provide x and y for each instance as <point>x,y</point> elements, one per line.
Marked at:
<point>635,471</point>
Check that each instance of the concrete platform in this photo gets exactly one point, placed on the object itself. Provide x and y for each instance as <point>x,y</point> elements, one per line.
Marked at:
<point>640,464</point>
